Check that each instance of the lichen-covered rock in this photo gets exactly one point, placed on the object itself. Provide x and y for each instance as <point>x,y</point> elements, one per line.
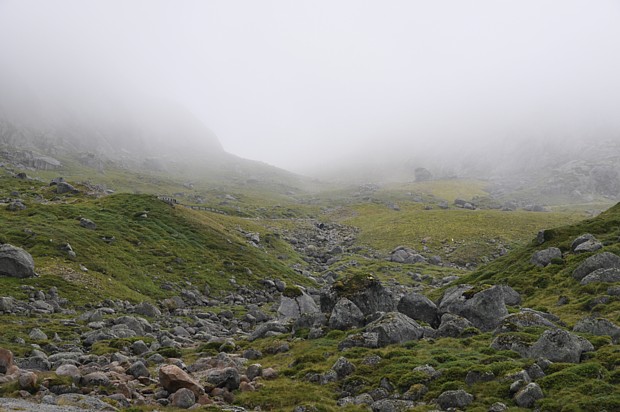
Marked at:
<point>484,308</point>
<point>525,319</point>
<point>581,239</point>
<point>527,397</point>
<point>589,246</point>
<point>559,345</point>
<point>599,327</point>
<point>368,294</point>
<point>609,275</point>
<point>604,260</point>
<point>454,399</point>
<point>511,342</point>
<point>16,262</point>
<point>343,367</point>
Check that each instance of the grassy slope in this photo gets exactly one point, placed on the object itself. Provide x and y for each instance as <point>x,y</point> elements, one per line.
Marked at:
<point>171,245</point>
<point>541,287</point>
<point>589,386</point>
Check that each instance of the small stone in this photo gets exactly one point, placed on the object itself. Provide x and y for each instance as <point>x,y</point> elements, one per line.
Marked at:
<point>270,373</point>
<point>37,334</point>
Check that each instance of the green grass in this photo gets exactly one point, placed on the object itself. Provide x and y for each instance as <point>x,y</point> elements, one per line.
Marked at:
<point>171,245</point>
<point>541,287</point>
<point>459,236</point>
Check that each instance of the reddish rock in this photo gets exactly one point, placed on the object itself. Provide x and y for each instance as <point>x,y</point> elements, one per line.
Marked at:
<point>172,378</point>
<point>270,373</point>
<point>28,380</point>
<point>246,387</point>
<point>6,360</point>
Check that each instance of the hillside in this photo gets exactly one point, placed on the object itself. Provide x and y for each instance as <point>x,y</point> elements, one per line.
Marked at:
<point>382,297</point>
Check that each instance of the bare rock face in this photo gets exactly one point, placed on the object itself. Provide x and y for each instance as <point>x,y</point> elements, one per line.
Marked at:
<point>172,378</point>
<point>16,262</point>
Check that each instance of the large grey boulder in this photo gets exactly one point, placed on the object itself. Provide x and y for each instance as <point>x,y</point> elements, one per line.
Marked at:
<point>346,315</point>
<point>294,307</point>
<point>602,275</point>
<point>419,307</point>
<point>604,260</point>
<point>368,294</point>
<point>15,262</point>
<point>559,345</point>
<point>589,246</point>
<point>599,327</point>
<point>394,327</point>
<point>544,257</point>
<point>484,308</point>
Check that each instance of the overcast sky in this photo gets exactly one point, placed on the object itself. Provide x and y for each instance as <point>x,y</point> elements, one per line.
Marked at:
<point>289,82</point>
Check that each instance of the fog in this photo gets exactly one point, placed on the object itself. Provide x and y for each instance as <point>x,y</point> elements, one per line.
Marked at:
<point>311,86</point>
